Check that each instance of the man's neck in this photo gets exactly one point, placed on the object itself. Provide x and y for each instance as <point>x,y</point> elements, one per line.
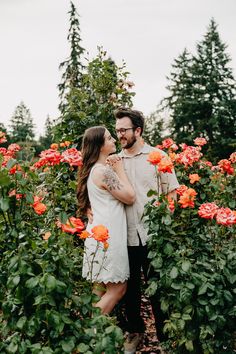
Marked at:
<point>135,149</point>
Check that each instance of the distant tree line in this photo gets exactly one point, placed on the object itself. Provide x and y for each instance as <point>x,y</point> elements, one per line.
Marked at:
<point>21,130</point>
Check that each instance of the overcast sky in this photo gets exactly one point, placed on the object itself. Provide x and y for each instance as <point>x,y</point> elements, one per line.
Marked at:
<point>147,34</point>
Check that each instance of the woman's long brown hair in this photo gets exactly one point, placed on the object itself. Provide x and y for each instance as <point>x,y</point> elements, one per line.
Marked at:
<point>93,140</point>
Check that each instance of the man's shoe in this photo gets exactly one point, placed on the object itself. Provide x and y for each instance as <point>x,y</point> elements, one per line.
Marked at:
<point>131,342</point>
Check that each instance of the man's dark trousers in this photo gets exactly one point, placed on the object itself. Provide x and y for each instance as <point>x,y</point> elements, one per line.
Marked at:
<point>138,262</point>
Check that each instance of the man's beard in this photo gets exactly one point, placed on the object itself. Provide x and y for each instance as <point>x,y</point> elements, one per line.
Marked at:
<point>130,143</point>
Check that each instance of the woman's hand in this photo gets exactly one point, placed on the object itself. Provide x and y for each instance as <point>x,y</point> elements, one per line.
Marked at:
<point>113,159</point>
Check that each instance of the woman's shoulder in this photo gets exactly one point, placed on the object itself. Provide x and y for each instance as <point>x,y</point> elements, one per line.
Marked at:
<point>99,171</point>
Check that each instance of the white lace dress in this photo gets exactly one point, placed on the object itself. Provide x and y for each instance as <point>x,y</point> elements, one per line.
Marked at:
<point>111,265</point>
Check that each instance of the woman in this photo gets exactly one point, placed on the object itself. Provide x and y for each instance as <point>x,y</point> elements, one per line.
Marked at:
<point>104,189</point>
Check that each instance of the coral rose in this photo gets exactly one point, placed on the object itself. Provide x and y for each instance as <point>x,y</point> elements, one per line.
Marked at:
<point>200,141</point>
<point>72,226</point>
<point>208,210</point>
<point>187,199</point>
<point>39,208</point>
<point>165,165</point>
<point>194,178</point>
<point>225,216</point>
<point>154,157</point>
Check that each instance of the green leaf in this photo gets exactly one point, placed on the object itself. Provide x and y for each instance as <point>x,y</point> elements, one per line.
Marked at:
<point>4,179</point>
<point>168,249</point>
<point>185,265</point>
<point>50,282</point>
<point>12,282</point>
<point>12,348</point>
<point>68,345</point>
<point>166,220</point>
<point>151,192</point>
<point>203,288</point>
<point>21,322</point>
<point>174,273</point>
<point>63,217</point>
<point>189,345</point>
<point>83,348</point>
<point>29,197</point>
<point>4,204</point>
<point>31,283</point>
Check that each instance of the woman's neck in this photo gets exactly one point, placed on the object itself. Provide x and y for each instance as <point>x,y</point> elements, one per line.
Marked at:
<point>102,159</point>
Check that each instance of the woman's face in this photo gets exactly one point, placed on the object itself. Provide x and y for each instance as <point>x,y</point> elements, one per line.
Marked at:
<point>109,146</point>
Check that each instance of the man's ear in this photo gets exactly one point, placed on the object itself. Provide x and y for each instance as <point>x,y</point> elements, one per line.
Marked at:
<point>138,131</point>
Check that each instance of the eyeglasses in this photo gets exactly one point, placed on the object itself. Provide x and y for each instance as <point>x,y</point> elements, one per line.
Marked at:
<point>122,131</point>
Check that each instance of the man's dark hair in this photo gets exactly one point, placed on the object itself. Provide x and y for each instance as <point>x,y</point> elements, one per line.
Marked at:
<point>136,117</point>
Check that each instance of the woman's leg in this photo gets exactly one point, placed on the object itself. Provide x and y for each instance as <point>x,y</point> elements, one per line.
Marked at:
<point>99,289</point>
<point>114,292</point>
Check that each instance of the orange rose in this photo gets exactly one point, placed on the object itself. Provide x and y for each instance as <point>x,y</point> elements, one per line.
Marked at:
<point>84,234</point>
<point>100,233</point>
<point>187,198</point>
<point>39,208</point>
<point>54,146</point>
<point>105,245</point>
<point>154,157</point>
<point>165,165</point>
<point>194,178</point>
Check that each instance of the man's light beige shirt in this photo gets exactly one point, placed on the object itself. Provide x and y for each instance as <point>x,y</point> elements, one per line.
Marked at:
<point>143,177</point>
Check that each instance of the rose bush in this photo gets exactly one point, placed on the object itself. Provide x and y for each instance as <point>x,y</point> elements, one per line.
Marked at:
<point>45,305</point>
<point>192,248</point>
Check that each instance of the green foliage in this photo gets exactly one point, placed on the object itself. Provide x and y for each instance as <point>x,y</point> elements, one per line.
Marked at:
<point>194,260</point>
<point>103,87</point>
<point>72,67</point>
<point>154,129</point>
<point>90,90</point>
<point>202,96</point>
<point>47,139</point>
<point>22,127</point>
<point>45,305</point>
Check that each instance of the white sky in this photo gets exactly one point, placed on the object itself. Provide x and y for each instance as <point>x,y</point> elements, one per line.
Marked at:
<point>147,34</point>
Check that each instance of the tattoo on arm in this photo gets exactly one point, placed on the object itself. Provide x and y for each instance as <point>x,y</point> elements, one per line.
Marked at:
<point>111,180</point>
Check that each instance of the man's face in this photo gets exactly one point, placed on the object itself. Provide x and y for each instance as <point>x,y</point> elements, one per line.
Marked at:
<point>125,132</point>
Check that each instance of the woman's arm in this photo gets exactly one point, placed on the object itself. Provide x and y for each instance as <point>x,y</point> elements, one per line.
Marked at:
<point>114,180</point>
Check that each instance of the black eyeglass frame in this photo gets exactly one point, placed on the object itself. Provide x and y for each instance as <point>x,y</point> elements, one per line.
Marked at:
<point>122,131</point>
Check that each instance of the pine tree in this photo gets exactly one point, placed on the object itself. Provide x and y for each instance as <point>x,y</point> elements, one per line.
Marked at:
<point>21,127</point>
<point>154,129</point>
<point>89,94</point>
<point>202,100</point>
<point>47,139</point>
<point>72,67</point>
<point>181,101</point>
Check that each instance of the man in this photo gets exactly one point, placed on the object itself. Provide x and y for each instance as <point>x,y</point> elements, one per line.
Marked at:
<point>143,176</point>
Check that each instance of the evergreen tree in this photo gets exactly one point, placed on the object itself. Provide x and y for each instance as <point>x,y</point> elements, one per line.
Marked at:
<point>89,94</point>
<point>21,127</point>
<point>103,88</point>
<point>181,101</point>
<point>202,100</point>
<point>72,67</point>
<point>46,140</point>
<point>154,129</point>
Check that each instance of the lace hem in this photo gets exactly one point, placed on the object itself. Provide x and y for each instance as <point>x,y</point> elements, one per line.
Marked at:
<point>110,280</point>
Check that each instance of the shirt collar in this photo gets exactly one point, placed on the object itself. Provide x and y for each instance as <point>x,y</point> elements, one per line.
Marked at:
<point>145,150</point>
